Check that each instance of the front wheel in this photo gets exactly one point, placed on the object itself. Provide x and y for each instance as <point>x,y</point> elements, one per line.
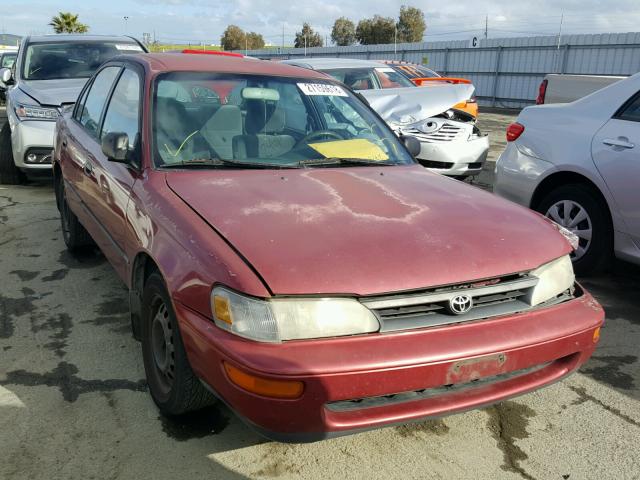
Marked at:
<point>9,173</point>
<point>581,210</point>
<point>173,386</point>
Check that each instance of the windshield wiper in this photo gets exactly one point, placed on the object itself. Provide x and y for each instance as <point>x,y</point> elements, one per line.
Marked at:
<point>219,162</point>
<point>331,161</point>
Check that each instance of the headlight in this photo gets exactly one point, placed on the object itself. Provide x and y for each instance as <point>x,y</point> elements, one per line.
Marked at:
<point>553,279</point>
<point>32,112</point>
<point>276,320</point>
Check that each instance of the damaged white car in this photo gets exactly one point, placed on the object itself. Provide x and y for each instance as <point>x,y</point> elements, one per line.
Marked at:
<point>450,140</point>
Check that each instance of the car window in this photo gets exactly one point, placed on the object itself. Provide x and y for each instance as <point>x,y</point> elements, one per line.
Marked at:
<point>94,104</point>
<point>355,78</point>
<point>389,78</point>
<point>80,104</point>
<point>123,112</point>
<point>7,60</point>
<point>265,120</point>
<point>47,61</point>
<point>631,111</point>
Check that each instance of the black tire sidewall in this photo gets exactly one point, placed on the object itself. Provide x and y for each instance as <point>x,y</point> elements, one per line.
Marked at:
<point>173,403</point>
<point>9,173</point>
<point>598,255</point>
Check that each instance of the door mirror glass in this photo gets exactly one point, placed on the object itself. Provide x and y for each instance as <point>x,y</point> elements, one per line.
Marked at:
<point>115,146</point>
<point>412,144</point>
<point>5,75</point>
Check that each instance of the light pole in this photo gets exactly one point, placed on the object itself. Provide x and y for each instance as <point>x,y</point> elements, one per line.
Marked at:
<point>125,24</point>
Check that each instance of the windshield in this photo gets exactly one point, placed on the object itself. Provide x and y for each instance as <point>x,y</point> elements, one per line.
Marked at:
<point>7,60</point>
<point>49,61</point>
<point>207,119</point>
<point>370,78</point>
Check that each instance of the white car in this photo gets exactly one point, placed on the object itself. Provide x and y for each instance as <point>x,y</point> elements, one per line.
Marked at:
<point>450,140</point>
<point>579,164</point>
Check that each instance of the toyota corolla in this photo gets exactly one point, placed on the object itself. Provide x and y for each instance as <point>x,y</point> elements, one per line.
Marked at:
<point>286,255</point>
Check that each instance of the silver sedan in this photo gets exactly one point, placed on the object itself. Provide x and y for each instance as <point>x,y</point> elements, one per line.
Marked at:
<point>579,164</point>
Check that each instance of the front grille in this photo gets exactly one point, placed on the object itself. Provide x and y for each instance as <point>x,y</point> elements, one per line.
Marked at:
<point>395,398</point>
<point>447,133</point>
<point>490,298</point>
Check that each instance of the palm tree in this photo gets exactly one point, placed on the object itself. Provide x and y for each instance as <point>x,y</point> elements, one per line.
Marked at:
<point>66,22</point>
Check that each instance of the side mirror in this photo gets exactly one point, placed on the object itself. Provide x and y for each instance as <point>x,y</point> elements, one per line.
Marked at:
<point>5,75</point>
<point>115,145</point>
<point>412,144</point>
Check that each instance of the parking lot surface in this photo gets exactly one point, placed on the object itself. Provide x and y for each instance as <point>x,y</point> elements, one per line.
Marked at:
<point>73,400</point>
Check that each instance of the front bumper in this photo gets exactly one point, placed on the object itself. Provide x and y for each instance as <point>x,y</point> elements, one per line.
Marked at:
<point>400,377</point>
<point>455,158</point>
<point>31,136</point>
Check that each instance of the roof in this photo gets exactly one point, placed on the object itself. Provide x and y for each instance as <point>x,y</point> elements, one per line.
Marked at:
<point>325,63</point>
<point>64,37</point>
<point>170,62</point>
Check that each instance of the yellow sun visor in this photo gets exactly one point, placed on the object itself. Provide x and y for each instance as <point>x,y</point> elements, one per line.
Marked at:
<point>355,148</point>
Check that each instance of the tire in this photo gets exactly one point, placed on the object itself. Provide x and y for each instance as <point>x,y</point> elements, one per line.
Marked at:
<point>74,234</point>
<point>594,254</point>
<point>9,173</point>
<point>173,386</point>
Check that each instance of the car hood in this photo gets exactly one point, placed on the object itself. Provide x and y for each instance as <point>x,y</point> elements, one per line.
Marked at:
<point>404,106</point>
<point>54,92</point>
<point>366,230</point>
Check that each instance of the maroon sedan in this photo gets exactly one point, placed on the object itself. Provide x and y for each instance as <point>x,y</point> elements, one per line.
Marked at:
<point>285,254</point>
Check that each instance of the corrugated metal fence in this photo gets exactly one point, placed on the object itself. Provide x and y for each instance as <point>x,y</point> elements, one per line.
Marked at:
<point>507,71</point>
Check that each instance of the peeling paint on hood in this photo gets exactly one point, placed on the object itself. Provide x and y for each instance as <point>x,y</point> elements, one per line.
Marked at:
<point>404,106</point>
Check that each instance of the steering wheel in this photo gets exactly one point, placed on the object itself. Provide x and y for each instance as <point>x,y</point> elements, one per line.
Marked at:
<point>317,135</point>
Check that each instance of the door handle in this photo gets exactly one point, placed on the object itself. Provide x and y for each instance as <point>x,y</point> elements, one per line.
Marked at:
<point>88,169</point>
<point>620,142</point>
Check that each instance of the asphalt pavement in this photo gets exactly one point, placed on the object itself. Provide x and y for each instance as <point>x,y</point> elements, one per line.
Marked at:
<point>74,403</point>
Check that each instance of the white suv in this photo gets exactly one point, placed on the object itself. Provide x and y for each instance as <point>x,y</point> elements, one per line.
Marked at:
<point>48,75</point>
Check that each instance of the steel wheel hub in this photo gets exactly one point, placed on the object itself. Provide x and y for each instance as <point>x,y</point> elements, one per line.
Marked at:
<point>572,216</point>
<point>162,345</point>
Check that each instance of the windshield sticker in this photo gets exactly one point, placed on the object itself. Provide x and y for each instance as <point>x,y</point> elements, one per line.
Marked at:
<point>128,47</point>
<point>359,148</point>
<point>322,89</point>
<point>385,69</point>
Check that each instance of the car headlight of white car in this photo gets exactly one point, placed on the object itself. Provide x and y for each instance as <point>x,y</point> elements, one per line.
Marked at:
<point>33,112</point>
<point>553,278</point>
<point>279,319</point>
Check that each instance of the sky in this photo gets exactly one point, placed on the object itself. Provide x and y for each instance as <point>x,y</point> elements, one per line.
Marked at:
<point>189,21</point>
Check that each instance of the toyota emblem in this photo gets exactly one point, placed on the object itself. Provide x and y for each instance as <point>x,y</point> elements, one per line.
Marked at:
<point>460,304</point>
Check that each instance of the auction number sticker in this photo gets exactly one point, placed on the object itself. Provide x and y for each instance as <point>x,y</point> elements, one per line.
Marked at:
<point>124,47</point>
<point>322,89</point>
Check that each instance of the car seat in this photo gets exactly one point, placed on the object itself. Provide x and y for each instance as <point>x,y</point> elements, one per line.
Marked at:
<point>264,138</point>
<point>221,129</point>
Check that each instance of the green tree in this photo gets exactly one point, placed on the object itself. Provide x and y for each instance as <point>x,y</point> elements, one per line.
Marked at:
<point>66,22</point>
<point>254,41</point>
<point>376,30</point>
<point>313,39</point>
<point>411,24</point>
<point>344,32</point>
<point>233,38</point>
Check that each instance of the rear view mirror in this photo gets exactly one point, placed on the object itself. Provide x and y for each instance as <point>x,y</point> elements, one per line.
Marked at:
<point>255,93</point>
<point>412,144</point>
<point>5,75</point>
<point>115,145</point>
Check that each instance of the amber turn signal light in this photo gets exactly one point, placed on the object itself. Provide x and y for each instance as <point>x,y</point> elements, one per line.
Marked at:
<point>596,335</point>
<point>286,389</point>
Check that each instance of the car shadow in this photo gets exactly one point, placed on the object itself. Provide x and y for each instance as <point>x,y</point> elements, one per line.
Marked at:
<point>616,360</point>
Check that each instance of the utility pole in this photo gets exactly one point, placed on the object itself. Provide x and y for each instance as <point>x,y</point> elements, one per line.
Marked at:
<point>395,41</point>
<point>486,27</point>
<point>125,24</point>
<point>305,45</point>
<point>559,37</point>
<point>283,35</point>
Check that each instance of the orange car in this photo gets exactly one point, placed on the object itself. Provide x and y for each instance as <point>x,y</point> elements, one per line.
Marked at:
<point>421,75</point>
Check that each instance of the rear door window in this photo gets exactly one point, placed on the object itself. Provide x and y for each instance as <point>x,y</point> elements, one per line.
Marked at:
<point>631,111</point>
<point>96,98</point>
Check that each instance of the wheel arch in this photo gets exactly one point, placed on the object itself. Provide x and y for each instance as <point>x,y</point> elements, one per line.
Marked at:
<point>143,265</point>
